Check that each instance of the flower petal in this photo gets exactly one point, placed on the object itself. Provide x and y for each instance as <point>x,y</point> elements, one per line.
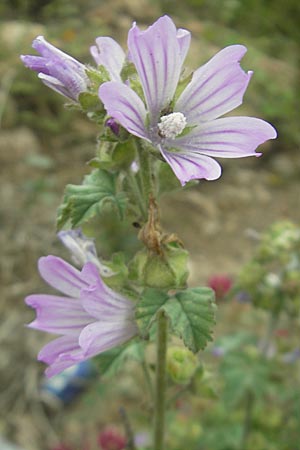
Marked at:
<point>189,166</point>
<point>49,51</point>
<point>59,315</point>
<point>55,85</point>
<point>124,105</point>
<point>216,88</point>
<point>36,63</point>
<point>60,346</point>
<point>108,53</point>
<point>101,336</point>
<point>61,275</point>
<point>60,354</point>
<point>156,55</point>
<point>229,137</point>
<point>102,302</point>
<point>184,40</point>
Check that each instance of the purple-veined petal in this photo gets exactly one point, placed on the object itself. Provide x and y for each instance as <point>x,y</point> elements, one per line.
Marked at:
<point>72,77</point>
<point>55,85</point>
<point>58,315</point>
<point>108,53</point>
<point>101,336</point>
<point>36,63</point>
<point>229,137</point>
<point>156,55</point>
<point>83,250</point>
<point>61,275</point>
<point>49,51</point>
<point>124,105</point>
<point>191,165</point>
<point>216,88</point>
<point>184,40</point>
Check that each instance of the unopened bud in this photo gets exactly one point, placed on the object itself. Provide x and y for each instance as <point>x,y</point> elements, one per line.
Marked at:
<point>181,364</point>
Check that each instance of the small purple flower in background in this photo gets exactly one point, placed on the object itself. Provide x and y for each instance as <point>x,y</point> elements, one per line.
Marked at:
<point>91,318</point>
<point>187,130</point>
<point>83,250</point>
<point>57,70</point>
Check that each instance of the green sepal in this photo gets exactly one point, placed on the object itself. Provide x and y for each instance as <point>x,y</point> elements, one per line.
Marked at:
<point>128,70</point>
<point>97,76</point>
<point>111,361</point>
<point>191,313</point>
<point>169,270</point>
<point>82,202</point>
<point>118,266</point>
<point>114,155</point>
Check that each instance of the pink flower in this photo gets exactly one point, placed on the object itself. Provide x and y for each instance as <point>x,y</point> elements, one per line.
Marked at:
<point>186,129</point>
<point>91,318</point>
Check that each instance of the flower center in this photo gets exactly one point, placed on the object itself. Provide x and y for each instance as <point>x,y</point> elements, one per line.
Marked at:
<point>171,125</point>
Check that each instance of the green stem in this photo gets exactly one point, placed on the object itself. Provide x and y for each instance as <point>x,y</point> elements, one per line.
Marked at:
<point>145,172</point>
<point>249,405</point>
<point>148,379</point>
<point>135,188</point>
<point>161,381</point>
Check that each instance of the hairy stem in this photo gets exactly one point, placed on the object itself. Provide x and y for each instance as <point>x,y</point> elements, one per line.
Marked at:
<point>161,378</point>
<point>136,189</point>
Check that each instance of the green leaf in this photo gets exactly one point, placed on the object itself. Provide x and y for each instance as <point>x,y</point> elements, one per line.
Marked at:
<point>191,313</point>
<point>192,316</point>
<point>82,202</point>
<point>110,362</point>
<point>152,301</point>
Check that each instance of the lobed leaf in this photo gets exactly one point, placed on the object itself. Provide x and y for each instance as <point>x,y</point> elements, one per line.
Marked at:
<point>82,202</point>
<point>191,313</point>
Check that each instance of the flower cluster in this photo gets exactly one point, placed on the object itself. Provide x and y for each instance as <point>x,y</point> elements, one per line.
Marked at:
<point>185,128</point>
<point>144,95</point>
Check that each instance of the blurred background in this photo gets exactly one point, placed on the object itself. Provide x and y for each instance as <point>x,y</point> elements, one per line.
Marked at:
<point>44,146</point>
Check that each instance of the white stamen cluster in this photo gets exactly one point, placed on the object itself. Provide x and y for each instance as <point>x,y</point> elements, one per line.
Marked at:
<point>172,125</point>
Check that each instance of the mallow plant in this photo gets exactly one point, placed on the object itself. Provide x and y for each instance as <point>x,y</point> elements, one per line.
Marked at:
<point>160,127</point>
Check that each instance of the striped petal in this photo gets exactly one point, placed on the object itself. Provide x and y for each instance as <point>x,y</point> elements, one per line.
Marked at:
<point>230,137</point>
<point>101,336</point>
<point>61,354</point>
<point>125,106</point>
<point>108,53</point>
<point>102,302</point>
<point>58,315</point>
<point>216,88</point>
<point>61,275</point>
<point>157,56</point>
<point>191,165</point>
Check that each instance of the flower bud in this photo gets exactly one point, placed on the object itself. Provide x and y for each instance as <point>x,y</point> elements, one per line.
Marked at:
<point>181,364</point>
<point>160,271</point>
